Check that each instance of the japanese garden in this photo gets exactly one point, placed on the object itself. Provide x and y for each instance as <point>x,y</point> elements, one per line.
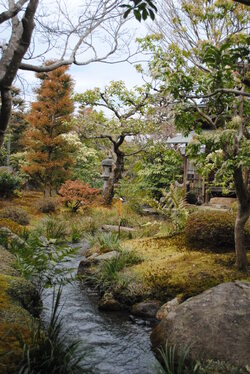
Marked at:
<point>124,187</point>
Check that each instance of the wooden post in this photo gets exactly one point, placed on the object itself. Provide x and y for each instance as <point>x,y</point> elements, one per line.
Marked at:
<point>119,210</point>
<point>185,174</point>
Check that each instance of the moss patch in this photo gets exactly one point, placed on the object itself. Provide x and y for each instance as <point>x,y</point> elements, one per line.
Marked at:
<point>171,269</point>
<point>17,299</point>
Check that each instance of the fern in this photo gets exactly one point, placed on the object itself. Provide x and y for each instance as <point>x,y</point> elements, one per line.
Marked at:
<point>173,205</point>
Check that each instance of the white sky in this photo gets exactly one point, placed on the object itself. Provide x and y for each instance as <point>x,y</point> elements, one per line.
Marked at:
<point>94,74</point>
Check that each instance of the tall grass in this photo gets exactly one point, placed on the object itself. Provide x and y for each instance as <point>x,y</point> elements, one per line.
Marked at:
<point>109,270</point>
<point>50,351</point>
<point>176,362</point>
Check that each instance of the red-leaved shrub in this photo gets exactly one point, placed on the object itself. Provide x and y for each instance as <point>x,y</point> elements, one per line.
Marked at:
<point>75,194</point>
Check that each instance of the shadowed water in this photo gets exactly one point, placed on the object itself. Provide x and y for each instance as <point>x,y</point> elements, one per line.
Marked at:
<point>114,344</point>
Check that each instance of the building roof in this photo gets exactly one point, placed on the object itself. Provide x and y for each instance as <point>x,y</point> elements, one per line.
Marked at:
<point>181,139</point>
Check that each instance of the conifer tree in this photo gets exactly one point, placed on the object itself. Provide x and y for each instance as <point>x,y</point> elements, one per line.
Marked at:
<point>48,154</point>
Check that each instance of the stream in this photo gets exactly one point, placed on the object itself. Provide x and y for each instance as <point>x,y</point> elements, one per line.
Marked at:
<point>113,343</point>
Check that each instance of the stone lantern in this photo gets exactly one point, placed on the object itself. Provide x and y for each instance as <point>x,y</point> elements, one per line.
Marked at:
<point>107,171</point>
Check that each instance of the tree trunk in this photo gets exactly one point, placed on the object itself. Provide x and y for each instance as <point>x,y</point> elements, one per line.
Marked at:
<point>119,166</point>
<point>243,196</point>
<point>239,237</point>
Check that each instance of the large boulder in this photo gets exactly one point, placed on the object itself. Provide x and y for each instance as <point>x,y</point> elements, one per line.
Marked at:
<point>215,324</point>
<point>166,308</point>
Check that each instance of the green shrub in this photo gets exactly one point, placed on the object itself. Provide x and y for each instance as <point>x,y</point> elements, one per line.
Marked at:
<point>213,230</point>
<point>16,214</point>
<point>47,205</point>
<point>8,183</point>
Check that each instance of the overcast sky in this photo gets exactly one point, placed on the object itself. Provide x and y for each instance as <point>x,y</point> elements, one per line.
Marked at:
<point>95,74</point>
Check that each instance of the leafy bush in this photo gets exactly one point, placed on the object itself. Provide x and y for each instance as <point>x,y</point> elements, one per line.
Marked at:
<point>11,225</point>
<point>39,260</point>
<point>16,214</point>
<point>50,350</point>
<point>213,230</point>
<point>47,205</point>
<point>75,194</point>
<point>173,206</point>
<point>8,183</point>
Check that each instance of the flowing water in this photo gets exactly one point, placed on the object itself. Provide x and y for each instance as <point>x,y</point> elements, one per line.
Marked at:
<point>114,344</point>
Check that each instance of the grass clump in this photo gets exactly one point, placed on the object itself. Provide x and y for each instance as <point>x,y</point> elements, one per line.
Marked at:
<point>47,205</point>
<point>176,361</point>
<point>16,214</point>
<point>53,228</point>
<point>109,270</point>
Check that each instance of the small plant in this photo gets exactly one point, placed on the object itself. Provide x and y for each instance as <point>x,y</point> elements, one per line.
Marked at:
<point>175,362</point>
<point>39,261</point>
<point>107,241</point>
<point>50,350</point>
<point>16,214</point>
<point>8,184</point>
<point>76,233</point>
<point>53,228</point>
<point>173,206</point>
<point>75,195</point>
<point>110,268</point>
<point>47,205</point>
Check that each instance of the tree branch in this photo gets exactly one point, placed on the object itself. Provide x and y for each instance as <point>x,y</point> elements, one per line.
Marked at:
<point>222,90</point>
<point>12,12</point>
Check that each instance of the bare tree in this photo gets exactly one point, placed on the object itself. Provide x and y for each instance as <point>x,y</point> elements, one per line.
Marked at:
<point>36,30</point>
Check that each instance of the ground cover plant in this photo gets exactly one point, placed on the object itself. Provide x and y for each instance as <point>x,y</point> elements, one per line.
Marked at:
<point>171,268</point>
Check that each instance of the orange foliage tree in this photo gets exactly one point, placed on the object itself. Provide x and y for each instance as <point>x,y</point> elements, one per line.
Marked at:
<point>75,194</point>
<point>49,155</point>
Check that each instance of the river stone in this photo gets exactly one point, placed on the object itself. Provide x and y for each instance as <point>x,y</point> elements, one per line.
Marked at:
<point>108,302</point>
<point>167,308</point>
<point>215,324</point>
<point>106,256</point>
<point>146,309</point>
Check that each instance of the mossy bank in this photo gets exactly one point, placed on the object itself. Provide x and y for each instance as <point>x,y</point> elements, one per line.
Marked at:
<point>19,304</point>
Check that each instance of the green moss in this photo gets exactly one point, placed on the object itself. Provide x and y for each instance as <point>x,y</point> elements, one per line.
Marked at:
<point>17,299</point>
<point>170,268</point>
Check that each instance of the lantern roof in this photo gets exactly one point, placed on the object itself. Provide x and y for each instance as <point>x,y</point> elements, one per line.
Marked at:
<point>108,161</point>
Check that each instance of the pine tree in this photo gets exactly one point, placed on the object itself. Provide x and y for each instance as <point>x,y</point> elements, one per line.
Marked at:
<point>48,155</point>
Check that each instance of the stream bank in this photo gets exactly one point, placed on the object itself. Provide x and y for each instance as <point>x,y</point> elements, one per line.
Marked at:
<point>114,343</point>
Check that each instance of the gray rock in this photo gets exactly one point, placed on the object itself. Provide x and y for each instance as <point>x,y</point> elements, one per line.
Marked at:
<point>109,303</point>
<point>94,259</point>
<point>146,309</point>
<point>216,325</point>
<point>106,256</point>
<point>167,308</point>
